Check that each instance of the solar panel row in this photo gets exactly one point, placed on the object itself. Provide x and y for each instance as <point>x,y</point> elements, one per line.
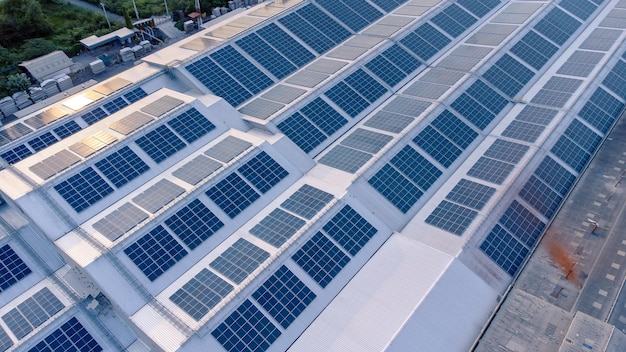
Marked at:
<point>33,312</point>
<point>71,336</point>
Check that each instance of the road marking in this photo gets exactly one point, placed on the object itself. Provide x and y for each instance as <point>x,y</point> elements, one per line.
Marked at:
<point>615,266</point>
<point>603,293</point>
<point>610,277</point>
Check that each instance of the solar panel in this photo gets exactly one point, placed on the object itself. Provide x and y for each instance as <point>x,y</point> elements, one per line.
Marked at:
<point>451,217</point>
<point>261,108</point>
<point>227,149</point>
<point>239,260</point>
<point>197,169</point>
<point>586,137</point>
<point>306,78</point>
<point>601,39</point>
<point>135,94</point>
<point>345,14</point>
<point>263,172</point>
<point>266,55</point>
<point>54,164</point>
<point>307,32</point>
<point>416,167</point>
<point>601,110</point>
<point>71,336</point>
<point>191,125</point>
<point>568,151</point>
<point>505,250</point>
<point>491,170</point>
<point>471,194</point>
<point>246,329</point>
<point>581,9</point>
<point>16,154</point>
<point>92,144</point>
<point>241,69</point>
<point>426,90</point>
<point>347,99</point>
<point>302,132</point>
<point>478,8</point>
<point>388,121</point>
<point>83,189</point>
<point>201,294</point>
<point>232,195</point>
<point>122,166</point>
<point>346,159</point>
<point>283,94</point>
<point>534,50</point>
<point>487,96</point>
<point>218,81</point>
<point>503,150</point>
<point>521,222</point>
<point>367,141</point>
<point>131,122</point>
<point>120,221</point>
<point>407,106</point>
<point>551,98</point>
<point>324,23</point>
<point>455,129</point>
<point>394,186</point>
<point>111,86</point>
<point>162,105</point>
<point>94,116</point>
<point>155,252</point>
<point>323,116</point>
<point>67,129</point>
<point>540,196</point>
<point>555,175</point>
<point>523,131</point>
<point>307,201</point>
<point>158,195</point>
<point>12,267</point>
<point>327,66</point>
<point>277,227</point>
<point>160,143</point>
<point>33,312</point>
<point>115,105</point>
<point>438,146</point>
<point>285,44</point>
<point>350,230</point>
<point>194,223</point>
<point>45,117</point>
<point>385,70</point>
<point>321,259</point>
<point>557,25</point>
<point>536,115</point>
<point>284,296</point>
<point>5,340</point>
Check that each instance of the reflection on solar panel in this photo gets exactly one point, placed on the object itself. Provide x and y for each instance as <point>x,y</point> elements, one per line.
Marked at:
<point>43,141</point>
<point>471,194</point>
<point>92,144</point>
<point>346,159</point>
<point>350,230</point>
<point>520,222</point>
<point>160,143</point>
<point>5,340</point>
<point>307,201</point>
<point>194,223</point>
<point>580,63</point>
<point>263,172</point>
<point>508,252</point>
<point>16,154</point>
<point>46,117</point>
<point>438,146</point>
<point>277,227</point>
<point>246,329</point>
<point>131,122</point>
<point>491,170</point>
<point>191,125</point>
<point>120,221</point>
<point>536,115</point>
<point>395,187</point>
<point>284,296</point>
<point>71,336</point>
<point>122,166</point>
<point>54,164</point>
<point>232,195</point>
<point>321,259</point>
<point>135,94</point>
<point>540,196</point>
<point>201,294</point>
<point>115,105</point>
<point>33,312</point>
<point>155,252</point>
<point>83,189</point>
<point>227,149</point>
<point>451,217</point>
<point>239,260</point>
<point>94,116</point>
<point>388,121</point>
<point>158,195</point>
<point>12,267</point>
<point>523,131</point>
<point>197,169</point>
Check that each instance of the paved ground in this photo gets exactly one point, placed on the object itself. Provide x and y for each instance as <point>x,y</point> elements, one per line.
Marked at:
<point>89,6</point>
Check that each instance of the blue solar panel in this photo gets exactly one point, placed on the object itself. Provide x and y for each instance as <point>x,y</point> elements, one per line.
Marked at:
<point>534,50</point>
<point>324,116</point>
<point>43,141</point>
<point>200,294</point>
<point>438,146</point>
<point>366,85</point>
<point>597,117</point>
<point>616,84</point>
<point>555,175</point>
<point>67,129</point>
<point>246,330</point>
<point>94,115</point>
<point>385,70</point>
<point>115,105</point>
<point>557,25</point>
<point>476,7</point>
<point>347,99</point>
<point>155,252</point>
<point>388,5</point>
<point>285,44</point>
<point>218,81</point>
<point>284,296</point>
<point>232,195</point>
<point>263,172</point>
<point>346,15</point>
<point>277,227</point>
<point>350,230</point>
<point>395,187</point>
<point>302,132</point>
<point>419,46</point>
<point>307,32</point>
<point>454,20</point>
<point>307,201</point>
<point>71,336</point>
<point>583,135</point>
<point>122,166</point>
<point>455,129</point>
<point>570,153</point>
<point>321,259</point>
<point>505,250</point>
<point>135,94</point>
<point>451,217</point>
<point>267,56</point>
<point>605,101</point>
<point>432,36</point>
<point>509,75</point>
<point>16,154</point>
<point>325,24</point>
<point>364,9</point>
<point>191,125</point>
<point>243,70</point>
<point>83,189</point>
<point>194,223</point>
<point>473,111</point>
<point>160,143</point>
<point>401,58</point>
<point>416,167</point>
<point>540,196</point>
<point>239,260</point>
<point>471,194</point>
<point>521,222</point>
<point>487,96</point>
<point>491,170</point>
<point>12,267</point>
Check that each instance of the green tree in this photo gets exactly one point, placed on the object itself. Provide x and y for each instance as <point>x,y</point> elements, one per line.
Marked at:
<point>128,20</point>
<point>36,47</point>
<point>17,83</point>
<point>7,58</point>
<point>22,19</point>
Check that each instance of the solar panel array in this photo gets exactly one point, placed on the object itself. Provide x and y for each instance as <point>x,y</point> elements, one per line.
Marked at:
<point>13,268</point>
<point>71,336</point>
<point>33,312</point>
<point>259,320</point>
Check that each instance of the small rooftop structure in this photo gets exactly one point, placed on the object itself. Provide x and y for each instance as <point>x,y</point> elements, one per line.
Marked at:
<point>122,34</point>
<point>48,66</point>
